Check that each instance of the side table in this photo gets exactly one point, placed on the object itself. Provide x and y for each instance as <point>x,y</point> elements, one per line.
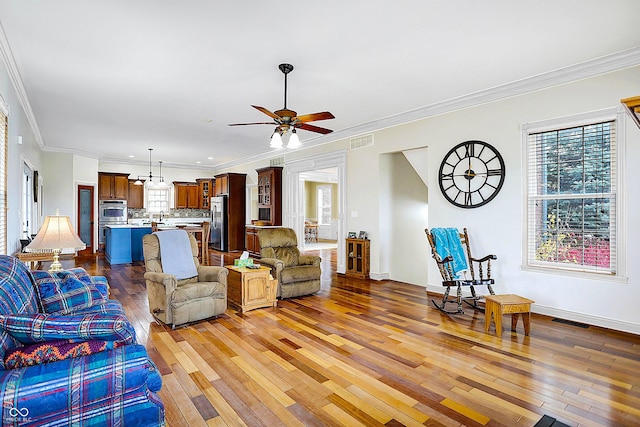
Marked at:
<point>497,305</point>
<point>249,288</point>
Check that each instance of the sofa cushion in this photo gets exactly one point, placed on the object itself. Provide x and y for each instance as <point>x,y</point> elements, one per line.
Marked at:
<point>32,328</point>
<point>65,296</point>
<point>52,351</point>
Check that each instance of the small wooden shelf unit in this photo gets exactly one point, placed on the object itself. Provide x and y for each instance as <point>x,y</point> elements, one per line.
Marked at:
<point>358,258</point>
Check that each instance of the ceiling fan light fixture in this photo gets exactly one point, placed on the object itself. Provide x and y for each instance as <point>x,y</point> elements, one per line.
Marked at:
<point>138,182</point>
<point>294,141</point>
<point>276,140</point>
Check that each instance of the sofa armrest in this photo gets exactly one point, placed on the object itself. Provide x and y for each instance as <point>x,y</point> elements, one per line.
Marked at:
<point>169,281</point>
<point>212,274</point>
<point>309,260</point>
<point>47,394</point>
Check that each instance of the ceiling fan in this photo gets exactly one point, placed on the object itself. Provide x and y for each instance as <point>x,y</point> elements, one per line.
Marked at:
<point>286,119</point>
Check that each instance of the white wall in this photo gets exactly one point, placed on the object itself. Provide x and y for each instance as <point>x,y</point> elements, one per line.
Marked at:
<point>497,227</point>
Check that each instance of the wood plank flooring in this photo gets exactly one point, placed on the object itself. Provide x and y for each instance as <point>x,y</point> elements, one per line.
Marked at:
<point>368,353</point>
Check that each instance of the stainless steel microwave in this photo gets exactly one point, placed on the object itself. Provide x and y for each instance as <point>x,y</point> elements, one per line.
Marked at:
<point>113,211</point>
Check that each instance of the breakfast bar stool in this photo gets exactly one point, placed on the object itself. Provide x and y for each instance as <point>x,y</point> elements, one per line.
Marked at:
<point>497,305</point>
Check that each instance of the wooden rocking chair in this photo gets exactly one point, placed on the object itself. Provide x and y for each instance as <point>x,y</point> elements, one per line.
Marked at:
<point>478,268</point>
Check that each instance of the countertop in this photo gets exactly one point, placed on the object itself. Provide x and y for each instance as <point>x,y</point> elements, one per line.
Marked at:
<point>263,226</point>
<point>167,221</point>
<point>127,226</point>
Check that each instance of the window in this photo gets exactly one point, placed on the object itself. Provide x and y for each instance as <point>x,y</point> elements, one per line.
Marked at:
<point>158,200</point>
<point>4,145</point>
<point>572,196</point>
<point>324,204</point>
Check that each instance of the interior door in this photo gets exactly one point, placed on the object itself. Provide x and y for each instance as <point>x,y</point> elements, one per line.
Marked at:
<point>86,218</point>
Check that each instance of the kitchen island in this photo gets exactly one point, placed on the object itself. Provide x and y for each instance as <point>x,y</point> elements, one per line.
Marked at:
<point>124,243</point>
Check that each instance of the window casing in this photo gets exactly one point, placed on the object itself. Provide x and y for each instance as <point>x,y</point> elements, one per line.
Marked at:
<point>572,201</point>
<point>324,204</point>
<point>158,200</point>
<point>4,146</point>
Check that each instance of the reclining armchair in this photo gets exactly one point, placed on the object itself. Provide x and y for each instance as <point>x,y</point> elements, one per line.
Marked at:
<point>297,274</point>
<point>176,301</point>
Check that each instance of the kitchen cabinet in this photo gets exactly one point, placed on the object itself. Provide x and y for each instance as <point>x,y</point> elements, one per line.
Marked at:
<point>251,241</point>
<point>222,184</point>
<point>187,195</point>
<point>113,186</point>
<point>358,258</point>
<point>136,195</point>
<point>205,186</point>
<point>270,195</point>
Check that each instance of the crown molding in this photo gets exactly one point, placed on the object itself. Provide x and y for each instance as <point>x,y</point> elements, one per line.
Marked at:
<point>16,81</point>
<point>598,66</point>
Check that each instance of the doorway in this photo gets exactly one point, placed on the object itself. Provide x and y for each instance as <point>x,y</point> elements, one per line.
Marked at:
<point>86,218</point>
<point>294,197</point>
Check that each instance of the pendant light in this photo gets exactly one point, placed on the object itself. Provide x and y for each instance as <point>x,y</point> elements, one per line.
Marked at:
<point>150,184</point>
<point>161,183</point>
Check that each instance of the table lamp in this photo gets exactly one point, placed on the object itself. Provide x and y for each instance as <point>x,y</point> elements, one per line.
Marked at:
<point>55,234</point>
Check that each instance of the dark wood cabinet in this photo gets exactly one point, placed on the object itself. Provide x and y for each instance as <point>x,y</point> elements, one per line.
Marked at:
<point>136,195</point>
<point>205,192</point>
<point>113,186</point>
<point>222,185</point>
<point>270,195</point>
<point>358,258</point>
<point>187,195</point>
<point>252,242</point>
<point>233,185</point>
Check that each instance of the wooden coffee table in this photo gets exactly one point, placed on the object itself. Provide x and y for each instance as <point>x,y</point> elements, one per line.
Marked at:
<point>249,288</point>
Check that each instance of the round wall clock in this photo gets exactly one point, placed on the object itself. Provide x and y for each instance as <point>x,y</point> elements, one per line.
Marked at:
<point>471,174</point>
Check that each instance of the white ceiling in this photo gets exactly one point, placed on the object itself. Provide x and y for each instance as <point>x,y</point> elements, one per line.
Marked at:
<point>109,79</point>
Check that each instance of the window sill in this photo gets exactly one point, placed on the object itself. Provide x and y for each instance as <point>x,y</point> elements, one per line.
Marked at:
<point>605,277</point>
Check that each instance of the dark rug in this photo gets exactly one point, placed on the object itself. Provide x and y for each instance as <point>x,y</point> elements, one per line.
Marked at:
<point>547,421</point>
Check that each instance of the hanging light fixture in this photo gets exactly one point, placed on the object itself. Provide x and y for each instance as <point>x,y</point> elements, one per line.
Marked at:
<point>161,182</point>
<point>150,182</point>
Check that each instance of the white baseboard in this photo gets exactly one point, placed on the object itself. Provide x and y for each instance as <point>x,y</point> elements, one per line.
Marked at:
<point>618,325</point>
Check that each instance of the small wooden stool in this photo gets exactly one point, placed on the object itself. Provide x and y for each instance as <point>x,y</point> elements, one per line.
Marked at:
<point>497,305</point>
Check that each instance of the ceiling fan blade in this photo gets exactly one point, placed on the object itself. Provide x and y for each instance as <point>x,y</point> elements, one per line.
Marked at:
<point>267,112</point>
<point>325,115</point>
<point>259,123</point>
<point>313,128</point>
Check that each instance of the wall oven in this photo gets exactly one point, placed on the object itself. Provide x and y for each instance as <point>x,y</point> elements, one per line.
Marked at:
<point>112,212</point>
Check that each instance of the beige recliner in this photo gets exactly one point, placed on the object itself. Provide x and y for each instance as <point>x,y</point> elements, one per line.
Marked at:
<point>175,302</point>
<point>296,274</point>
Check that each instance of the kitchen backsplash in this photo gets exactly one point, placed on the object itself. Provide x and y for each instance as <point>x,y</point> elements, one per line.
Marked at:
<point>173,213</point>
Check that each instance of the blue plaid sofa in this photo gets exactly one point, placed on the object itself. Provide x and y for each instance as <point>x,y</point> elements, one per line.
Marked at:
<point>68,354</point>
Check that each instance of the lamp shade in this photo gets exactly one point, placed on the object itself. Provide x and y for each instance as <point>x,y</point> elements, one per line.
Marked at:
<point>55,234</point>
<point>276,140</point>
<point>294,141</point>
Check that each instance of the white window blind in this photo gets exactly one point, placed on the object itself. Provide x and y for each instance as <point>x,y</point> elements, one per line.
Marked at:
<point>571,198</point>
<point>4,143</point>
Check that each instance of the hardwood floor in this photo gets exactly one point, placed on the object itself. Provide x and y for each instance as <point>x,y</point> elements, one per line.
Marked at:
<point>378,353</point>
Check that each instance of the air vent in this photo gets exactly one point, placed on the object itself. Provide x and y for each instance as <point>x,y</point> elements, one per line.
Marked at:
<point>361,142</point>
<point>278,161</point>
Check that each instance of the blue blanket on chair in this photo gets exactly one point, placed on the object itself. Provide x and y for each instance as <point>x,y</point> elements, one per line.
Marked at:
<point>175,253</point>
<point>447,242</point>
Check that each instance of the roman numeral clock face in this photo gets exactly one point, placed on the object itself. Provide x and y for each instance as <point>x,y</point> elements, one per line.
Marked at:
<point>471,174</point>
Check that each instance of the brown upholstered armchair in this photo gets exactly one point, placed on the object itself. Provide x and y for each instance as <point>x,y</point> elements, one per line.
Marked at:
<point>175,302</point>
<point>296,274</point>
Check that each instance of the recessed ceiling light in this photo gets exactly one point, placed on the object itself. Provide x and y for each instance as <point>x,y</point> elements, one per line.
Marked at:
<point>131,156</point>
<point>198,162</point>
<point>209,158</point>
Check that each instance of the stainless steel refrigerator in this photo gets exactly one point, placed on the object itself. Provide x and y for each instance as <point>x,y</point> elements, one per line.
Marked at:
<point>218,232</point>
